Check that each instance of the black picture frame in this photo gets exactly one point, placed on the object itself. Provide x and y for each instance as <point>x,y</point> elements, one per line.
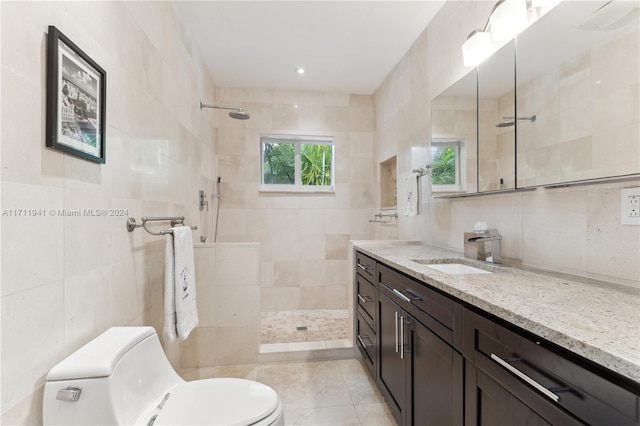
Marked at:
<point>76,100</point>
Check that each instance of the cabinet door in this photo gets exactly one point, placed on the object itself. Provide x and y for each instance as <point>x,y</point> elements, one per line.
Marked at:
<point>392,365</point>
<point>488,403</point>
<point>437,380</point>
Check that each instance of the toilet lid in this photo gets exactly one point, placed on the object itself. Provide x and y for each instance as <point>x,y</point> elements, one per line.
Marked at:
<point>225,401</point>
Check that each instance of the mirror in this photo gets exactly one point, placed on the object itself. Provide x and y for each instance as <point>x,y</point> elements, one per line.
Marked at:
<point>496,122</point>
<point>577,74</point>
<point>473,131</point>
<point>454,138</point>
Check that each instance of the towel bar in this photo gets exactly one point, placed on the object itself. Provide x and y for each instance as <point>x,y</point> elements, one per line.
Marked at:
<point>382,215</point>
<point>132,224</point>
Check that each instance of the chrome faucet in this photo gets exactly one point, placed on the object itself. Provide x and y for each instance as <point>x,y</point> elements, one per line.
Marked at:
<point>483,245</point>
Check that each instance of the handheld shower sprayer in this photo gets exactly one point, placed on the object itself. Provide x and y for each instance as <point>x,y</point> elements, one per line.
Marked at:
<point>237,113</point>
<point>217,196</point>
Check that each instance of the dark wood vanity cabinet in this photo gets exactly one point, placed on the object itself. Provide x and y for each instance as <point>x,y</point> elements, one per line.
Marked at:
<point>420,373</point>
<point>489,403</point>
<point>514,377</point>
<point>365,299</point>
<point>440,361</point>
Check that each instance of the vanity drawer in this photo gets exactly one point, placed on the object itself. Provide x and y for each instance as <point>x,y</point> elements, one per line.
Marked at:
<point>365,266</point>
<point>366,297</point>
<point>435,310</point>
<point>366,341</point>
<point>539,373</point>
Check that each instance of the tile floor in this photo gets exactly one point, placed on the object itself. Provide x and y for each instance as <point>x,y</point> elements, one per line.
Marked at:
<point>286,331</point>
<point>331,393</point>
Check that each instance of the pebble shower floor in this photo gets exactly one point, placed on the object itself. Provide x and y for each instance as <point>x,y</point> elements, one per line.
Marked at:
<point>303,326</point>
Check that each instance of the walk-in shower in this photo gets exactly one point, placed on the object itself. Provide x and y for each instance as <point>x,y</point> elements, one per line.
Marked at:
<point>307,329</point>
<point>237,113</point>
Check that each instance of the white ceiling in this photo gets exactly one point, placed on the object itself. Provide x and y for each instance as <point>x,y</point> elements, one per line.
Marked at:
<point>344,46</point>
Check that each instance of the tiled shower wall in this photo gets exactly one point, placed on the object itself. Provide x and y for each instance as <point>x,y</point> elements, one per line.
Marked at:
<point>67,279</point>
<point>303,237</point>
<point>575,230</point>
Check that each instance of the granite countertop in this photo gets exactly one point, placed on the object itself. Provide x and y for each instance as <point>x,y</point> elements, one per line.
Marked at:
<point>596,320</point>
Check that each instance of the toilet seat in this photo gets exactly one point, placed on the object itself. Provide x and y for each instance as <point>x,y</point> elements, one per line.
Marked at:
<point>224,401</point>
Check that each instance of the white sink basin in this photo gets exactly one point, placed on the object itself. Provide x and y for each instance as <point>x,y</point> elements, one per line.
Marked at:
<point>457,269</point>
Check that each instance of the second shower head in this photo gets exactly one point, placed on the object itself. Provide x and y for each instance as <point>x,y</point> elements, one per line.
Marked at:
<point>510,121</point>
<point>237,113</point>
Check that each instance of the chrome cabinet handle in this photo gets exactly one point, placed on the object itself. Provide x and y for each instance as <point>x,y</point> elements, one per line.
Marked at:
<point>401,296</point>
<point>362,298</point>
<point>362,341</point>
<point>546,392</point>
<point>396,332</point>
<point>401,337</point>
<point>415,296</point>
<point>364,267</point>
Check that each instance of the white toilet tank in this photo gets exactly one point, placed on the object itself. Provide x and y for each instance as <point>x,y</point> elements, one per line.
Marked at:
<point>123,375</point>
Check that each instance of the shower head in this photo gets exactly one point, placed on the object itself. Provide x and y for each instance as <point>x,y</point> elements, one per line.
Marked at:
<point>510,121</point>
<point>506,122</point>
<point>237,113</point>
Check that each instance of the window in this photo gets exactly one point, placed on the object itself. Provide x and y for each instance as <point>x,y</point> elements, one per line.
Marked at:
<point>445,164</point>
<point>297,163</point>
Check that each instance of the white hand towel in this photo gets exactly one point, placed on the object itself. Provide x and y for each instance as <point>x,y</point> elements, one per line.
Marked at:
<point>412,199</point>
<point>180,311</point>
<point>169,332</point>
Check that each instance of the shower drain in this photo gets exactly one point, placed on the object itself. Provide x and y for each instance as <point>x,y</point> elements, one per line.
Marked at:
<point>301,328</point>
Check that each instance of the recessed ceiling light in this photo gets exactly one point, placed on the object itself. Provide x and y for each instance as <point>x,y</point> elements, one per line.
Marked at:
<point>300,70</point>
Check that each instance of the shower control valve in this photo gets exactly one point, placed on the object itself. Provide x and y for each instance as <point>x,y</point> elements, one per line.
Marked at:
<point>203,201</point>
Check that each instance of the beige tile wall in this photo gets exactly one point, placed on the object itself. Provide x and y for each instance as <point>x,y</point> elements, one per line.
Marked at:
<point>66,279</point>
<point>303,237</point>
<point>575,230</point>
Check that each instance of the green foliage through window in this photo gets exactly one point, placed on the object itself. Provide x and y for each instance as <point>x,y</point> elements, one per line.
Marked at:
<point>279,163</point>
<point>297,161</point>
<point>316,164</point>
<point>443,166</point>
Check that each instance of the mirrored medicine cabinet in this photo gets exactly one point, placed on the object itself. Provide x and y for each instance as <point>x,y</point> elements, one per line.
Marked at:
<point>560,108</point>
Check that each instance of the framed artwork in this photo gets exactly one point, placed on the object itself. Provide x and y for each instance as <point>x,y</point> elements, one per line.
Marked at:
<point>76,103</point>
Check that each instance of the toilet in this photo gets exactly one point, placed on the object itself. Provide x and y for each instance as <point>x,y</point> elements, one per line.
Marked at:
<point>123,377</point>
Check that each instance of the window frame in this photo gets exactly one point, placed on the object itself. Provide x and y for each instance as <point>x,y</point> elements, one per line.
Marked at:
<point>458,144</point>
<point>297,141</point>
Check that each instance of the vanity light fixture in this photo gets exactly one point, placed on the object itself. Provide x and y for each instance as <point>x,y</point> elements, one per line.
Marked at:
<point>507,18</point>
<point>477,48</point>
<point>542,3</point>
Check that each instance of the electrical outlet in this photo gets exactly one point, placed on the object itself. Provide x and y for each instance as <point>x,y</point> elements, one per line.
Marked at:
<point>630,206</point>
<point>634,206</point>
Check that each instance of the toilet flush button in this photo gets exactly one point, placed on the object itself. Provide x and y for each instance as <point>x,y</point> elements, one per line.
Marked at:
<point>71,394</point>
